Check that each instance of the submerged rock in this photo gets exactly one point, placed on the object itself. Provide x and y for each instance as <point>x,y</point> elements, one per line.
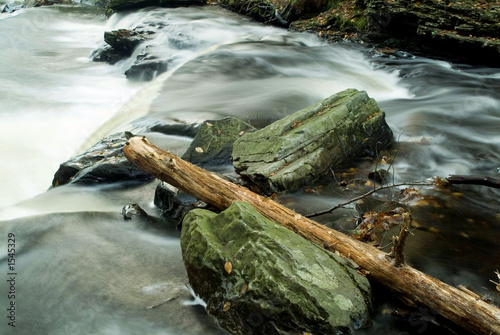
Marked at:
<point>102,163</point>
<point>132,209</point>
<point>121,44</point>
<point>146,68</point>
<point>299,148</point>
<point>260,278</point>
<point>174,203</point>
<point>213,144</point>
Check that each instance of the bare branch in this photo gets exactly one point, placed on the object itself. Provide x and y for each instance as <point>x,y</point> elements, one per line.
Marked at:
<point>399,241</point>
<point>328,211</point>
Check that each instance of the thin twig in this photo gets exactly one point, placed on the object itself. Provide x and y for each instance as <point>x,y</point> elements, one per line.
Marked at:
<point>328,211</point>
<point>400,240</point>
<point>394,158</point>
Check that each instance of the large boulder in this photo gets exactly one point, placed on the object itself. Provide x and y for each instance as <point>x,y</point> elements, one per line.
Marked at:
<point>102,163</point>
<point>260,278</point>
<point>296,150</point>
<point>213,144</point>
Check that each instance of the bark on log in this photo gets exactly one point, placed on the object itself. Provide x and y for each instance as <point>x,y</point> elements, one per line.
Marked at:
<point>459,307</point>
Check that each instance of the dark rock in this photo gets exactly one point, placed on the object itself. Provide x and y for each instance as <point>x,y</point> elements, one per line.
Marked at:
<point>299,148</point>
<point>379,175</point>
<point>146,69</point>
<point>124,40</point>
<point>107,54</point>
<point>174,203</point>
<point>260,278</point>
<point>118,5</point>
<point>213,144</point>
<point>102,163</point>
<point>131,210</point>
<point>121,44</point>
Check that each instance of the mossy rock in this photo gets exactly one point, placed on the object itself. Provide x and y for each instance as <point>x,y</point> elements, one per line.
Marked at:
<point>296,150</point>
<point>213,144</point>
<point>260,278</point>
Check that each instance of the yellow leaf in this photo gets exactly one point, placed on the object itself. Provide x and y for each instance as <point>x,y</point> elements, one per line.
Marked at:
<point>243,289</point>
<point>228,267</point>
<point>199,149</point>
<point>227,306</point>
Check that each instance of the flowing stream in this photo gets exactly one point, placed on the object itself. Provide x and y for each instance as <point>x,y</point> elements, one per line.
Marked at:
<point>81,269</point>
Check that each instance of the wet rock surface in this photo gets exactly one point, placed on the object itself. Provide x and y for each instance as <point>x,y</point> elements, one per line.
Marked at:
<point>213,144</point>
<point>146,68</point>
<point>121,44</point>
<point>259,278</point>
<point>299,148</point>
<point>174,203</point>
<point>102,163</point>
<point>461,30</point>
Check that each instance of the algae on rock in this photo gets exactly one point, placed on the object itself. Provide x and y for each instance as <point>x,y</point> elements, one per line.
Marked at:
<point>213,144</point>
<point>260,278</point>
<point>299,148</point>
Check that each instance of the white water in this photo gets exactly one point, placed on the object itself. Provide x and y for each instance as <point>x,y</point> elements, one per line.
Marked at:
<point>52,96</point>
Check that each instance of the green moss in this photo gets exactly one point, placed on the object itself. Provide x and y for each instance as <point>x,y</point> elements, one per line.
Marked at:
<point>289,282</point>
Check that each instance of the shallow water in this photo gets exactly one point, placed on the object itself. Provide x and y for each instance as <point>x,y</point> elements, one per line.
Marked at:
<point>83,270</point>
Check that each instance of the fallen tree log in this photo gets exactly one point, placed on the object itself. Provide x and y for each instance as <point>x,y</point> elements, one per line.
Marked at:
<point>462,308</point>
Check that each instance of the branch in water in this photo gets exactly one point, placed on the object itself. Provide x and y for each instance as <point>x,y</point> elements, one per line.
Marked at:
<point>474,180</point>
<point>328,211</point>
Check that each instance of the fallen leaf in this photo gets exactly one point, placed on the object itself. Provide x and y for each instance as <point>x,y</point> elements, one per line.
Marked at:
<point>219,131</point>
<point>228,267</point>
<point>227,306</point>
<point>241,133</point>
<point>199,149</point>
<point>243,289</point>
<point>209,124</point>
